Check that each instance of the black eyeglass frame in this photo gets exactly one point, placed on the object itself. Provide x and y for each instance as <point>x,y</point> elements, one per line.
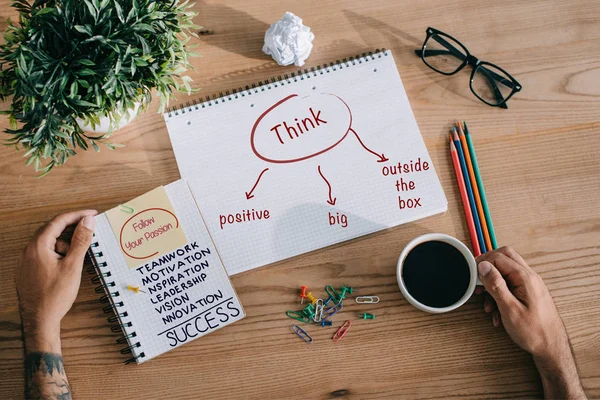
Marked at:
<point>474,62</point>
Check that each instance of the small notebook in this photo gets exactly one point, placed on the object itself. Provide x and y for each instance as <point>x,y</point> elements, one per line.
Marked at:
<point>305,161</point>
<point>160,273</point>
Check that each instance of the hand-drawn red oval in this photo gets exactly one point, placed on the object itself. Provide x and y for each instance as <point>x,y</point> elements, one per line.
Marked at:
<point>135,215</point>
<point>298,128</point>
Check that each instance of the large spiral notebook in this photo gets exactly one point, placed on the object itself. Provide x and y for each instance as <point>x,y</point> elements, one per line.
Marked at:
<point>160,274</point>
<point>306,160</point>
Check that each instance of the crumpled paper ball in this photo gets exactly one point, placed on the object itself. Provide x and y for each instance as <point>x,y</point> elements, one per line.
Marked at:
<point>288,41</point>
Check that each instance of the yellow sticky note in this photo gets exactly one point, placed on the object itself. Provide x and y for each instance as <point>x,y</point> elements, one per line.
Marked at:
<point>146,227</point>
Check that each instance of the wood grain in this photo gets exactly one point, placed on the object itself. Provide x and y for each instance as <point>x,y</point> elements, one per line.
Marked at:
<point>539,160</point>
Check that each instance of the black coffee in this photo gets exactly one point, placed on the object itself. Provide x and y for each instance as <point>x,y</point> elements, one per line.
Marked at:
<point>436,274</point>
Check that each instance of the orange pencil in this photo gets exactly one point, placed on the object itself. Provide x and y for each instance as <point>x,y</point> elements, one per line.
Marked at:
<point>465,199</point>
<point>484,228</point>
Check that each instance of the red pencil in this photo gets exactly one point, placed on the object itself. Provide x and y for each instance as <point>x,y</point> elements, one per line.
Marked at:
<point>465,199</point>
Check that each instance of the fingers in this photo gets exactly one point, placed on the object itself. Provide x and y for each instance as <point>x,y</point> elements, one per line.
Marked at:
<point>490,307</point>
<point>489,304</point>
<point>61,247</point>
<point>514,273</point>
<point>496,320</point>
<point>496,286</point>
<point>82,238</point>
<point>58,224</point>
<point>512,253</point>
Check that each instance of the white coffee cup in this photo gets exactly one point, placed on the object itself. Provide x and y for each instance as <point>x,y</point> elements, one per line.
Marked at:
<point>457,244</point>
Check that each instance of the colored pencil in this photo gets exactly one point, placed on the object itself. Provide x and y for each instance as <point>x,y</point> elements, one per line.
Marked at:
<point>487,244</point>
<point>465,198</point>
<point>465,173</point>
<point>484,203</point>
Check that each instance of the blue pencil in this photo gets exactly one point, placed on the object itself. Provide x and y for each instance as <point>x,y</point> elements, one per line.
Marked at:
<point>465,172</point>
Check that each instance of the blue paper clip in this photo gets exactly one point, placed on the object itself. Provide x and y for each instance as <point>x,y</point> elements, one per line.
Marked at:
<point>301,333</point>
<point>334,309</point>
<point>318,310</point>
<point>298,316</point>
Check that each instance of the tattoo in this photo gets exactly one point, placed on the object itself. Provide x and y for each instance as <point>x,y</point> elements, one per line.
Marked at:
<point>46,377</point>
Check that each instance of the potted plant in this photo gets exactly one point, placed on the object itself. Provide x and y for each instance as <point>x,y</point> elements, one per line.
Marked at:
<point>71,61</point>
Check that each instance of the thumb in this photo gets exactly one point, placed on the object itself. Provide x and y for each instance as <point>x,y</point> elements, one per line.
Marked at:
<point>496,286</point>
<point>81,240</point>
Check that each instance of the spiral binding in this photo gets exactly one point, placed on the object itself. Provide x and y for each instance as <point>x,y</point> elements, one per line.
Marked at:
<point>111,296</point>
<point>261,86</point>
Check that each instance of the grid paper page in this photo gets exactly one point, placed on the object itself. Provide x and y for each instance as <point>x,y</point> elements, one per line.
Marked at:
<point>215,303</point>
<point>307,162</point>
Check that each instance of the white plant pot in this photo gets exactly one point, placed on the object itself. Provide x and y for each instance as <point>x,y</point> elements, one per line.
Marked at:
<point>105,122</point>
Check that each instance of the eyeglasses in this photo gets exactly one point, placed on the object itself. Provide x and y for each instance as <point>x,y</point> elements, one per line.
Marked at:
<point>446,55</point>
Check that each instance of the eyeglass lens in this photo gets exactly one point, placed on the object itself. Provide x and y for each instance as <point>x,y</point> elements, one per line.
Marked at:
<point>491,84</point>
<point>443,54</point>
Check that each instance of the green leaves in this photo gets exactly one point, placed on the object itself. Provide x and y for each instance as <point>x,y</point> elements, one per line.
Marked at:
<point>69,59</point>
<point>84,29</point>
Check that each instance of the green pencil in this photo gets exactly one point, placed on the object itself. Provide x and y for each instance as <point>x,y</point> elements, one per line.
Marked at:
<point>484,203</point>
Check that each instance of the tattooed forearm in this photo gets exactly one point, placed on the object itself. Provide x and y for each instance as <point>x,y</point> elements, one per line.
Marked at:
<point>45,377</point>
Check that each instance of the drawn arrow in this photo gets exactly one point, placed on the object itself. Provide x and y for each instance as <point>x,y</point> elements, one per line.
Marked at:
<point>382,157</point>
<point>249,195</point>
<point>331,200</point>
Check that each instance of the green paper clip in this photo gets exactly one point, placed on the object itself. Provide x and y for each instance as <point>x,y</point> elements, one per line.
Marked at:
<point>298,316</point>
<point>126,209</point>
<point>332,293</point>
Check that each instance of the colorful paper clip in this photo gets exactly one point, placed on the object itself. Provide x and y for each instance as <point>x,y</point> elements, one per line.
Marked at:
<point>298,316</point>
<point>340,333</point>
<point>331,311</point>
<point>318,310</point>
<point>366,299</point>
<point>332,293</point>
<point>301,333</point>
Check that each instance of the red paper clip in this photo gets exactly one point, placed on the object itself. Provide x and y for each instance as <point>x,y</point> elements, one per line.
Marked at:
<point>339,334</point>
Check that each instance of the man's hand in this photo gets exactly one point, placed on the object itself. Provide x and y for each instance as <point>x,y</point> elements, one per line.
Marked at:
<point>49,274</point>
<point>47,280</point>
<point>518,299</point>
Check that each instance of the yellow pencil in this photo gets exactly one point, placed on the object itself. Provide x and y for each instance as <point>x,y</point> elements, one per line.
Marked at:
<point>484,228</point>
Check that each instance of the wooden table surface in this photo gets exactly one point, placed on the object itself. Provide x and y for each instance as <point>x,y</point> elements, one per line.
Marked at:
<point>540,160</point>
